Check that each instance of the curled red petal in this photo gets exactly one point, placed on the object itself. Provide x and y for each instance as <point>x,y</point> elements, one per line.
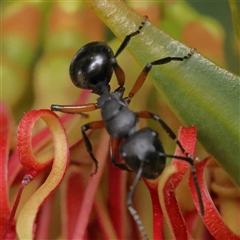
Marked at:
<point>5,134</point>
<point>43,136</point>
<point>27,215</point>
<point>152,186</point>
<point>169,203</point>
<point>24,137</point>
<point>117,200</point>
<point>170,178</point>
<point>212,219</point>
<point>188,139</point>
<point>4,152</point>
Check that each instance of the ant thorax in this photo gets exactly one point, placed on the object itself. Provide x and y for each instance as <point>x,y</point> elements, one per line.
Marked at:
<point>120,121</point>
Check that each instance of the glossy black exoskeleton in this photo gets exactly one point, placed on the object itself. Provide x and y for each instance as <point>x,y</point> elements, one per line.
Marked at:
<point>144,146</point>
<point>93,65</point>
<point>92,68</point>
<point>120,121</point>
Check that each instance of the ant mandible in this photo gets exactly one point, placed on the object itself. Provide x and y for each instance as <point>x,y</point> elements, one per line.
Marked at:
<point>92,68</point>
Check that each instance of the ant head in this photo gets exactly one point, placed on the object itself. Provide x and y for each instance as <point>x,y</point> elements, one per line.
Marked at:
<point>91,67</point>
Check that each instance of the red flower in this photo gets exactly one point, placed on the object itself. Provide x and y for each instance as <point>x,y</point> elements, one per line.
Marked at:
<point>86,209</point>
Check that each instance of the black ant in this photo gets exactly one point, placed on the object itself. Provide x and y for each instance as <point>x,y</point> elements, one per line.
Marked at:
<point>142,151</point>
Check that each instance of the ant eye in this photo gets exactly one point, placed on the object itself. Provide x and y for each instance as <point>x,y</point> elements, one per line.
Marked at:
<point>91,67</point>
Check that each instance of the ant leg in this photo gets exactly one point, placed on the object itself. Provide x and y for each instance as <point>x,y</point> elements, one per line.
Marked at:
<point>120,75</point>
<point>129,36</point>
<point>91,125</point>
<point>114,142</point>
<point>130,199</point>
<point>195,180</point>
<point>166,128</point>
<point>72,109</point>
<point>143,75</point>
<point>117,69</point>
<point>194,174</point>
<point>188,158</point>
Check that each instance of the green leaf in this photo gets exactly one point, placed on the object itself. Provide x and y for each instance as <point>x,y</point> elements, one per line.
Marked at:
<point>234,6</point>
<point>199,92</point>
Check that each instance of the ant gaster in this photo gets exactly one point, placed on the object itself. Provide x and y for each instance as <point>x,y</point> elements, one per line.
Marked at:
<point>92,68</point>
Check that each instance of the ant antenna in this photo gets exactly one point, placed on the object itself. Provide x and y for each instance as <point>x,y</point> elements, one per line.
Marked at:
<point>129,36</point>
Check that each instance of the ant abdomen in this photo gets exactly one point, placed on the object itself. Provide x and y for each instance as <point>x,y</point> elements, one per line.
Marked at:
<point>91,67</point>
<point>144,146</point>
